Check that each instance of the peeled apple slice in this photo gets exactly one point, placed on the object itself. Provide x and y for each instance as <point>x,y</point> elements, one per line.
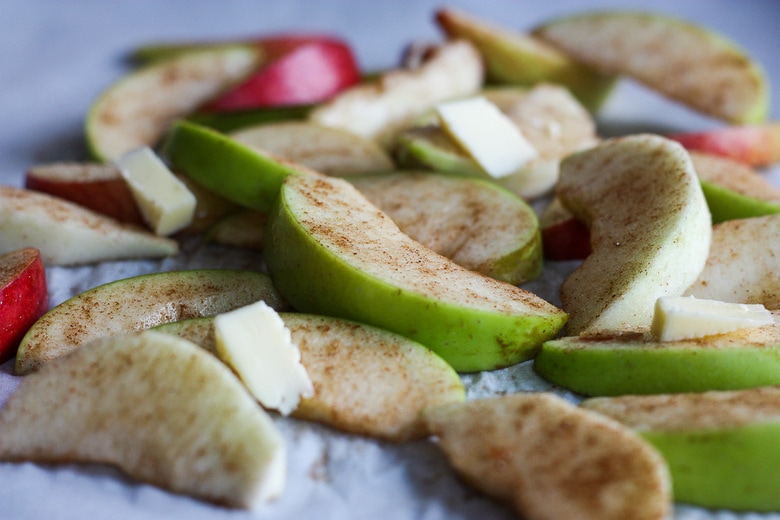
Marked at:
<point>686,317</point>
<point>158,408</point>
<point>255,342</point>
<point>138,109</point>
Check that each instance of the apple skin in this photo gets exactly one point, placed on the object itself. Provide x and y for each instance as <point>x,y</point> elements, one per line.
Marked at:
<point>24,297</point>
<point>309,73</point>
<point>756,145</point>
<point>99,187</point>
<point>331,252</point>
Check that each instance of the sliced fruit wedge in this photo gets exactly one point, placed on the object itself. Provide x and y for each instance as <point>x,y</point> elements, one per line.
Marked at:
<point>722,447</point>
<point>367,381</point>
<point>24,297</point>
<point>158,408</point>
<point>742,264</point>
<point>68,234</point>
<point>244,229</point>
<point>755,145</point>
<point>137,303</point>
<point>746,358</point>
<point>650,231</point>
<point>328,150</point>
<point>713,75</point>
<point>547,458</point>
<point>138,109</point>
<point>473,222</point>
<point>330,251</point>
<point>513,57</point>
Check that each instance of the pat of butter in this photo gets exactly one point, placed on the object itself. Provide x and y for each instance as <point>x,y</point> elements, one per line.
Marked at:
<point>486,134</point>
<point>165,202</point>
<point>254,341</point>
<point>686,317</point>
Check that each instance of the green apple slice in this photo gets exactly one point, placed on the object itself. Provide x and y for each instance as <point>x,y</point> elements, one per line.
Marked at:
<point>615,366</point>
<point>331,252</point>
<point>713,75</point>
<point>138,109</point>
<point>548,458</point>
<point>368,381</point>
<point>69,234</point>
<point>473,222</point>
<point>734,190</point>
<point>234,170</point>
<point>722,447</point>
<point>156,407</point>
<point>650,231</point>
<point>743,263</point>
<point>328,150</point>
<point>137,303</point>
<point>512,57</point>
<point>551,119</point>
<point>235,120</point>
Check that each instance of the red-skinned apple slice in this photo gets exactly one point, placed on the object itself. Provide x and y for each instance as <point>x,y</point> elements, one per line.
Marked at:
<point>309,73</point>
<point>756,145</point>
<point>564,237</point>
<point>23,296</point>
<point>99,187</point>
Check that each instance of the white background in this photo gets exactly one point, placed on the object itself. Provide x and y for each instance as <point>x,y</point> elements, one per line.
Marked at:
<point>55,58</point>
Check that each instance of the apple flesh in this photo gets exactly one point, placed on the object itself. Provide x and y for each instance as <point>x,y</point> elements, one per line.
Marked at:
<point>23,297</point>
<point>368,381</point>
<point>643,365</point>
<point>646,47</point>
<point>137,303</point>
<point>755,145</point>
<point>721,447</point>
<point>649,225</point>
<point>307,73</point>
<point>330,251</point>
<point>68,234</point>
<point>547,458</point>
<point>515,58</point>
<point>158,408</point>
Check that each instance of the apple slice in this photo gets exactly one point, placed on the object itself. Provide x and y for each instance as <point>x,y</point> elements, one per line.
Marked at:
<point>138,109</point>
<point>367,381</point>
<point>721,447</point>
<point>237,172</point>
<point>68,234</point>
<point>330,251</point>
<point>564,237</point>
<point>513,57</point>
<point>380,109</point>
<point>553,122</point>
<point>547,458</point>
<point>156,407</point>
<point>97,186</point>
<point>24,297</point>
<point>309,73</point>
<point>237,119</point>
<point>139,302</point>
<point>650,231</point>
<point>643,365</point>
<point>473,222</point>
<point>244,229</point>
<point>742,265</point>
<point>755,145</point>
<point>713,75</point>
<point>328,150</point>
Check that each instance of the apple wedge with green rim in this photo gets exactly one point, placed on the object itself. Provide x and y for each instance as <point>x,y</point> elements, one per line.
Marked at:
<point>473,222</point>
<point>234,170</point>
<point>713,75</point>
<point>722,448</point>
<point>137,303</point>
<point>367,381</point>
<point>513,57</point>
<point>330,251</point>
<point>158,408</point>
<point>138,109</point>
<point>746,358</point>
<point>650,231</point>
